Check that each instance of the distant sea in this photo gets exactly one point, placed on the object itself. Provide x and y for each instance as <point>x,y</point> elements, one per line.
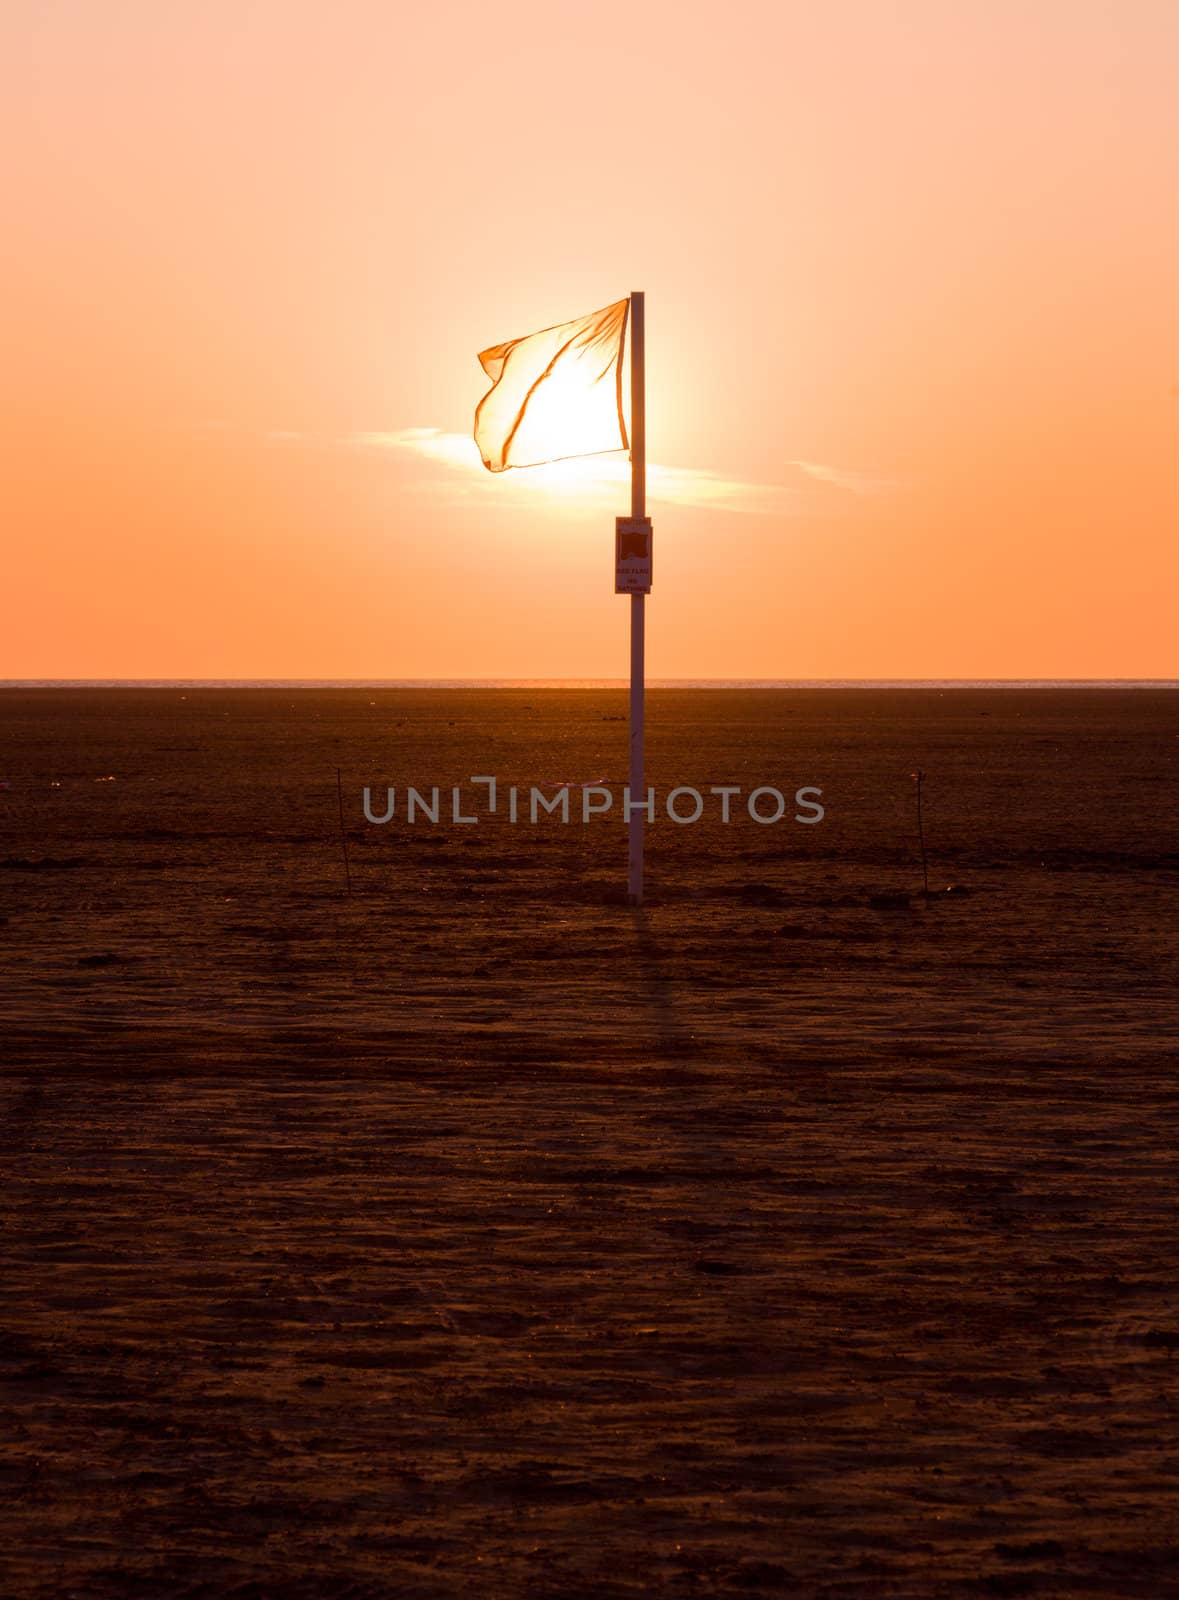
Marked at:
<point>588,683</point>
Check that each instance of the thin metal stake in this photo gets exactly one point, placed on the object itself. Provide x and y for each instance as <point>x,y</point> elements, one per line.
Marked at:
<point>343,835</point>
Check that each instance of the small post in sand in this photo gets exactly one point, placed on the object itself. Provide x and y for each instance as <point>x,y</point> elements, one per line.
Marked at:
<point>343,834</point>
<point>919,777</point>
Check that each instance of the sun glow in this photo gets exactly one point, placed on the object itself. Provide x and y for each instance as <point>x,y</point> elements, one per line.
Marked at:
<point>584,476</point>
<point>571,420</point>
<point>603,480</point>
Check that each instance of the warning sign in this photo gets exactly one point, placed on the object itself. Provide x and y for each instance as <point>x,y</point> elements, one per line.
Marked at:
<point>632,555</point>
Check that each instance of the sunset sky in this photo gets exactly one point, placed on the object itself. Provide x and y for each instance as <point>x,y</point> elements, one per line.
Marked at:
<point>912,278</point>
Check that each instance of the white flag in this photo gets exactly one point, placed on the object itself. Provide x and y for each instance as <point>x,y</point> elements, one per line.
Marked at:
<point>554,394</point>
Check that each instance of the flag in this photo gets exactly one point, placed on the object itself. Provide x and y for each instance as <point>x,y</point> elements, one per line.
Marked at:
<point>554,394</point>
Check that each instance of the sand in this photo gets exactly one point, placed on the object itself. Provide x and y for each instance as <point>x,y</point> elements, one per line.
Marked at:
<point>476,1234</point>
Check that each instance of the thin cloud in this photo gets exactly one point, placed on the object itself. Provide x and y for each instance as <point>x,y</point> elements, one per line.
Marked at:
<point>452,449</point>
<point>844,478</point>
<point>603,477</point>
<point>685,486</point>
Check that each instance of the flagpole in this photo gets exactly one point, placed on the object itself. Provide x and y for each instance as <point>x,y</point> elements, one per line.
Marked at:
<point>638,510</point>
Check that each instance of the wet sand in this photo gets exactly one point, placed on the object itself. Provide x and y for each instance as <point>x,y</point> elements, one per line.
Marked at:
<point>476,1234</point>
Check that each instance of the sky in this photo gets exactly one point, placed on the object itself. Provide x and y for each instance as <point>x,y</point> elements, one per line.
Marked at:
<point>912,303</point>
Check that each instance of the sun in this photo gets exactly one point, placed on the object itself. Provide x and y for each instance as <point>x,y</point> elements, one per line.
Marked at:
<point>588,478</point>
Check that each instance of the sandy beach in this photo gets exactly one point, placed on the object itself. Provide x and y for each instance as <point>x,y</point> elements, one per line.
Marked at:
<point>473,1233</point>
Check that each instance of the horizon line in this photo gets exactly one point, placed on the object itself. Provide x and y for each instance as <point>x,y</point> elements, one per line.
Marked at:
<point>580,683</point>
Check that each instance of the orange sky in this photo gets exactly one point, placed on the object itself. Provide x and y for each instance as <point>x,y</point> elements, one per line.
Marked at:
<point>912,276</point>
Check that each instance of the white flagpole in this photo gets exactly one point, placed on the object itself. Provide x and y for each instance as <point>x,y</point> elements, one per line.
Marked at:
<point>638,510</point>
